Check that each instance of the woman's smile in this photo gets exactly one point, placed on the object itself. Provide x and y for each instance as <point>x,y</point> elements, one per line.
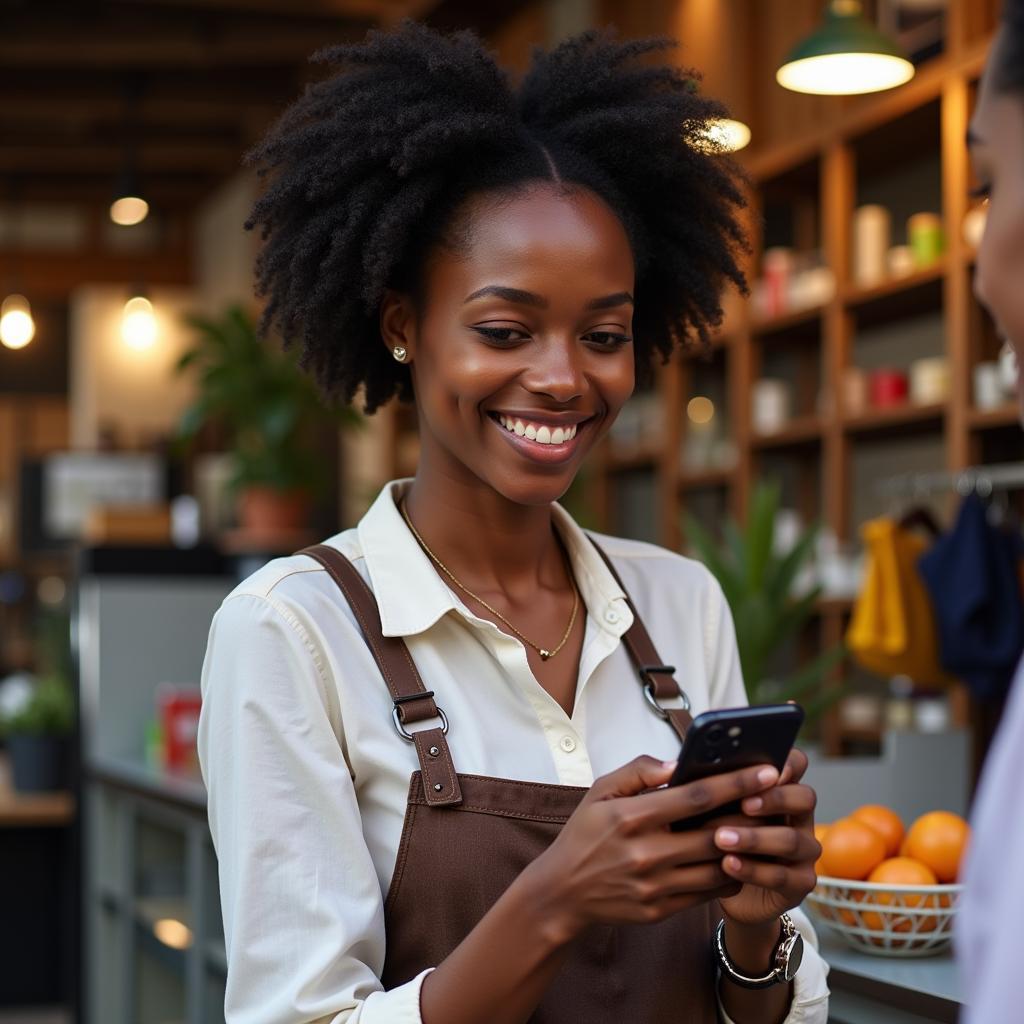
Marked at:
<point>542,438</point>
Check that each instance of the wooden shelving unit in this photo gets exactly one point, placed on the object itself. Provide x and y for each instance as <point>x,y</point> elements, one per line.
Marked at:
<point>822,176</point>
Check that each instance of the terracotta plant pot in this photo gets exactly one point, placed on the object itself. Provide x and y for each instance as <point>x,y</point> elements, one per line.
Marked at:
<point>262,510</point>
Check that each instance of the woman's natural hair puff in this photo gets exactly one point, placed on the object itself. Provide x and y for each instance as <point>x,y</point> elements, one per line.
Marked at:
<point>367,170</point>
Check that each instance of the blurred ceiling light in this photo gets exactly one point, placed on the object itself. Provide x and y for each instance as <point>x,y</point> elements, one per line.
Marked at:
<point>128,210</point>
<point>172,932</point>
<point>17,328</point>
<point>700,410</point>
<point>128,206</point>
<point>845,57</point>
<point>138,324</point>
<point>726,135</point>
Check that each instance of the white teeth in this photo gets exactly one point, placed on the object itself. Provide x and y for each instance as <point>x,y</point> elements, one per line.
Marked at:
<point>542,434</point>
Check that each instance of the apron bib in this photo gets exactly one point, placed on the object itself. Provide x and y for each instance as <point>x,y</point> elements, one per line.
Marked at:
<point>466,838</point>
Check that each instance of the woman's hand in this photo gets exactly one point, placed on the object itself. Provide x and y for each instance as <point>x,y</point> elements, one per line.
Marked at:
<point>775,862</point>
<point>616,861</point>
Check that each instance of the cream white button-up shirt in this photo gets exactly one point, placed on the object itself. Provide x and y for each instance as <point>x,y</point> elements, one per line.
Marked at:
<point>307,776</point>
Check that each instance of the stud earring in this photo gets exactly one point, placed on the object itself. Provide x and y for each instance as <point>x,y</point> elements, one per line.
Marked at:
<point>399,353</point>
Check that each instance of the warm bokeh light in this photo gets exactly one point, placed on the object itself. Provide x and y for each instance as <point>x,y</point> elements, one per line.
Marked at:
<point>845,74</point>
<point>172,932</point>
<point>51,590</point>
<point>138,324</point>
<point>17,328</point>
<point>726,135</point>
<point>128,210</point>
<point>700,410</point>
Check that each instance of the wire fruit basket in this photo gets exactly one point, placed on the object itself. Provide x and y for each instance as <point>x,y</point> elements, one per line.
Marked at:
<point>887,920</point>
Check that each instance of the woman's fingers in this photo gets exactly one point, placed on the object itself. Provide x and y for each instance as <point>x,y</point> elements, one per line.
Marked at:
<point>795,767</point>
<point>793,881</point>
<point>639,775</point>
<point>797,801</point>
<point>676,803</point>
<point>782,843</point>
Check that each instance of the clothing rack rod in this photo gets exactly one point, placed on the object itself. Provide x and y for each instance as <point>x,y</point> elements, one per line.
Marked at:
<point>982,480</point>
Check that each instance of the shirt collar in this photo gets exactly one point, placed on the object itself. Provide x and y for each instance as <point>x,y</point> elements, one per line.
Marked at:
<point>412,596</point>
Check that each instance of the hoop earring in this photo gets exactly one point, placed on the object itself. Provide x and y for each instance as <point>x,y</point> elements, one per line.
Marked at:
<point>399,353</point>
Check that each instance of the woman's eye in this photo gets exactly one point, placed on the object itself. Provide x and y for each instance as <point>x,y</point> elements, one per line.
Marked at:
<point>982,191</point>
<point>608,339</point>
<point>501,334</point>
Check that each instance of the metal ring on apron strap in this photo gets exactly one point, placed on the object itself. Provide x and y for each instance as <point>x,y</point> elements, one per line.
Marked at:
<point>402,731</point>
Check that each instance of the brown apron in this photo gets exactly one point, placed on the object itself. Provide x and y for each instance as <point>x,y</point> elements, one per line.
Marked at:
<point>467,837</point>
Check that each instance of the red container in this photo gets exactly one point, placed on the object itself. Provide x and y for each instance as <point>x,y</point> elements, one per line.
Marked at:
<point>179,713</point>
<point>888,388</point>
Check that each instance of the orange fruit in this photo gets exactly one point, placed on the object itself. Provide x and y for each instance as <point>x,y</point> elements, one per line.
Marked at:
<point>885,822</point>
<point>900,871</point>
<point>820,831</point>
<point>939,840</point>
<point>851,850</point>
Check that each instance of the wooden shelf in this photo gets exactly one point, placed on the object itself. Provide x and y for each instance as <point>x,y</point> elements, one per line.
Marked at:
<point>798,433</point>
<point>31,810</point>
<point>905,418</point>
<point>641,456</point>
<point>898,298</point>
<point>835,605</point>
<point>704,479</point>
<point>797,324</point>
<point>1003,416</point>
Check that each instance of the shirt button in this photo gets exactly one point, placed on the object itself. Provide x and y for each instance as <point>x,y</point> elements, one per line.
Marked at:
<point>611,615</point>
<point>567,743</point>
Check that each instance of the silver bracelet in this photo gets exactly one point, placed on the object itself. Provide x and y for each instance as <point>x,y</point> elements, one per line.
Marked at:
<point>785,960</point>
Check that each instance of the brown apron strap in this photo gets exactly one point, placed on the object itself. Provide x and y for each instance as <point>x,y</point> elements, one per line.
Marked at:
<point>413,701</point>
<point>658,680</point>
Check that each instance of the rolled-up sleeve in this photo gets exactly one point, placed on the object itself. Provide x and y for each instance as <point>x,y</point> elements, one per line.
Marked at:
<point>302,906</point>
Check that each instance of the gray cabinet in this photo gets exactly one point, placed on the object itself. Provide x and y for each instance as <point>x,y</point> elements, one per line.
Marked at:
<point>154,944</point>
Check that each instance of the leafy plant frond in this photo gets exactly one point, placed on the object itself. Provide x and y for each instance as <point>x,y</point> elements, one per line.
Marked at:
<point>760,585</point>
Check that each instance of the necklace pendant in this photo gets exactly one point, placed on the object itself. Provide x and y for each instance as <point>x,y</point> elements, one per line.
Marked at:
<point>544,655</point>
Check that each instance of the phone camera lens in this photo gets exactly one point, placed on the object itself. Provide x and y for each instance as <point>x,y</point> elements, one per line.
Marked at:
<point>715,734</point>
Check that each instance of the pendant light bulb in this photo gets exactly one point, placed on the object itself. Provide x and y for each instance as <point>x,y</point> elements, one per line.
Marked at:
<point>17,328</point>
<point>138,324</point>
<point>847,56</point>
<point>129,210</point>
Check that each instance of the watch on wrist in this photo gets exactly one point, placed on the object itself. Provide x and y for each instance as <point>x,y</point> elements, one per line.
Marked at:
<point>785,960</point>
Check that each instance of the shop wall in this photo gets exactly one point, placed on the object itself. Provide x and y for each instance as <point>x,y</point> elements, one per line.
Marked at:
<point>134,393</point>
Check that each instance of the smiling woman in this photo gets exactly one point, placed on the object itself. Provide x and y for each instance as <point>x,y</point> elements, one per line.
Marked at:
<point>428,771</point>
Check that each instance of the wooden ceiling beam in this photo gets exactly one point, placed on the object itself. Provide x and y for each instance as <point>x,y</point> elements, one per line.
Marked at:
<point>383,11</point>
<point>211,157</point>
<point>149,52</point>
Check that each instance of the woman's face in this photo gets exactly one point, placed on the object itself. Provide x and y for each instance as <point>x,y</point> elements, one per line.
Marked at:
<point>522,352</point>
<point>997,151</point>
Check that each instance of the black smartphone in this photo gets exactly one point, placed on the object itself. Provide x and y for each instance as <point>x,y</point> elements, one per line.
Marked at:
<point>731,738</point>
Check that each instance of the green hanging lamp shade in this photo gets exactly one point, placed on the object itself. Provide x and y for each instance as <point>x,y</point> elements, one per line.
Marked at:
<point>846,56</point>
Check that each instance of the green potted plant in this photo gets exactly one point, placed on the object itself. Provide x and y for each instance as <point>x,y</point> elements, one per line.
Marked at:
<point>271,413</point>
<point>36,735</point>
<point>760,585</point>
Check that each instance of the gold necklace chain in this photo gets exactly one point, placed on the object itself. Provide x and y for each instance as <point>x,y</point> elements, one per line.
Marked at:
<point>543,652</point>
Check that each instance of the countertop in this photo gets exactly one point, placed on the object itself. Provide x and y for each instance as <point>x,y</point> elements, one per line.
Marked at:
<point>31,810</point>
<point>910,988</point>
<point>140,777</point>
